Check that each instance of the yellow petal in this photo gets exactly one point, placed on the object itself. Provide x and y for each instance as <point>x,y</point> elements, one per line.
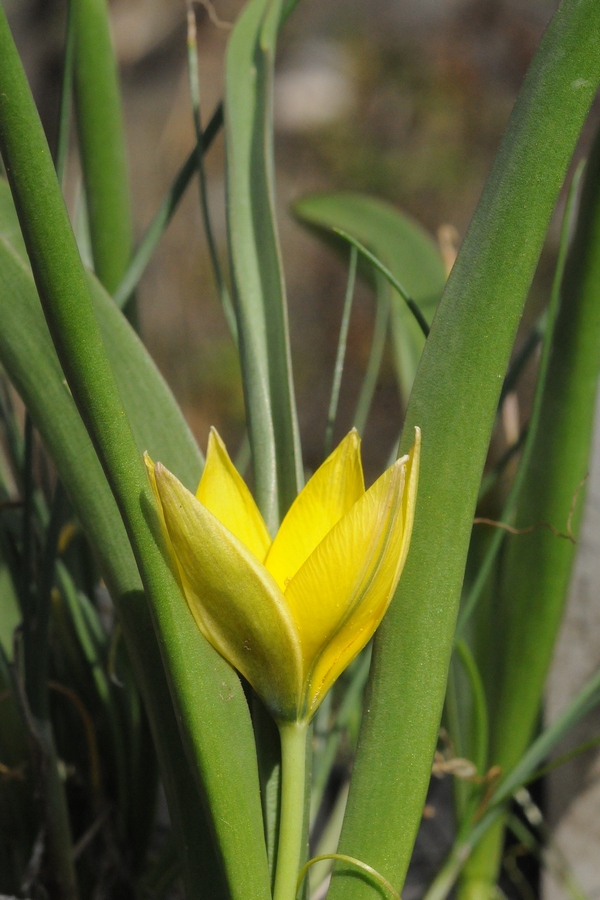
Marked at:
<point>341,593</point>
<point>151,470</point>
<point>330,494</point>
<point>236,603</point>
<point>223,491</point>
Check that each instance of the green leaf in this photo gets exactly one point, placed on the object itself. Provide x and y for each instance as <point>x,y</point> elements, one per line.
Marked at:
<point>101,141</point>
<point>537,566</point>
<point>454,401</point>
<point>26,352</point>
<point>380,329</point>
<point>10,615</point>
<point>530,435</point>
<point>156,420</point>
<point>402,246</point>
<point>257,275</point>
<point>470,835</point>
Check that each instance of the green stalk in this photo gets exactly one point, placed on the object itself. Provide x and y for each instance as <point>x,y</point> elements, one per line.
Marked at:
<point>101,141</point>
<point>30,360</point>
<point>291,831</point>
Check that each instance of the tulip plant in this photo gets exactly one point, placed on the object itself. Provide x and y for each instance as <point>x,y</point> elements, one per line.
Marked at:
<point>233,650</point>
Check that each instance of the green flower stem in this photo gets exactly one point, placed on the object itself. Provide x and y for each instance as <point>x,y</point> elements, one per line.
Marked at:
<point>293,767</point>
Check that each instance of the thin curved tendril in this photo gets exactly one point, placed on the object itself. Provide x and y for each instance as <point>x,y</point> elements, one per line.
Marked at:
<point>341,857</point>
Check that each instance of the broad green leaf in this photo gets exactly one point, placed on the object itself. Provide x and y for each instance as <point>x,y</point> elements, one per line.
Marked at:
<point>154,415</point>
<point>537,566</point>
<point>529,435</point>
<point>28,356</point>
<point>403,246</point>
<point>9,222</point>
<point>483,630</point>
<point>256,266</point>
<point>454,401</point>
<point>27,353</point>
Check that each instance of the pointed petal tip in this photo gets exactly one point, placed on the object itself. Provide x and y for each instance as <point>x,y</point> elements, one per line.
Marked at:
<point>213,435</point>
<point>351,441</point>
<point>150,466</point>
<point>162,474</point>
<point>415,451</point>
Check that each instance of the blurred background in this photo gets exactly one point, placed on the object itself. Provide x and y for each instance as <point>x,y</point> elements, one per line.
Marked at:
<point>406,101</point>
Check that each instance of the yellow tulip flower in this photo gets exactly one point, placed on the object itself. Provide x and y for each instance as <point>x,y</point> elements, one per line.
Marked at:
<point>290,613</point>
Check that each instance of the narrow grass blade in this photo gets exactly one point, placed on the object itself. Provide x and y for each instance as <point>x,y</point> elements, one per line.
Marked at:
<point>194,82</point>
<point>164,214</point>
<point>257,276</point>
<point>404,250</point>
<point>341,352</point>
<point>101,141</point>
<point>380,329</point>
<point>533,340</point>
<point>379,266</point>
<point>479,705</point>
